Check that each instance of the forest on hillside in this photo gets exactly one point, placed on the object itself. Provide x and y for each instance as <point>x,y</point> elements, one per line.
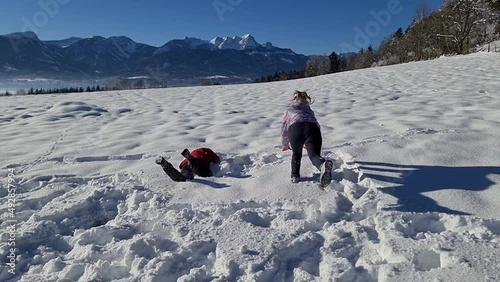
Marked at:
<point>456,28</point>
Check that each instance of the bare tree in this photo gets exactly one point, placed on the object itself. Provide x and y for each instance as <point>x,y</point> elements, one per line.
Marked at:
<point>140,83</point>
<point>394,50</point>
<point>325,65</point>
<point>21,92</point>
<point>418,37</point>
<point>494,4</point>
<point>121,84</point>
<point>364,59</point>
<point>462,21</point>
<point>317,65</point>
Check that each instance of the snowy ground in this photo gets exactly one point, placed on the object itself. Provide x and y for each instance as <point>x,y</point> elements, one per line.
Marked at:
<point>490,47</point>
<point>415,197</point>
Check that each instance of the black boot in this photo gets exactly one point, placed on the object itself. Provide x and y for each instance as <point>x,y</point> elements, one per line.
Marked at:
<point>186,154</point>
<point>326,173</point>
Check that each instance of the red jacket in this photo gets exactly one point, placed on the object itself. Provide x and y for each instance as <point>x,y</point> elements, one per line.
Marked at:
<point>203,153</point>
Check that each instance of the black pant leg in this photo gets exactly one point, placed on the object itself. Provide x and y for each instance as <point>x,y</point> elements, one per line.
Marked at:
<point>173,173</point>
<point>187,171</point>
<point>297,139</point>
<point>313,143</point>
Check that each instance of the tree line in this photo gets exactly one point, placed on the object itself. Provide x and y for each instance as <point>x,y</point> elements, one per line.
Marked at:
<point>62,90</point>
<point>285,75</point>
<point>117,84</point>
<point>456,28</point>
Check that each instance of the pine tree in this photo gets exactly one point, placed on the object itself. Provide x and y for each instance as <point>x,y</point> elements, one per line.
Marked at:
<point>317,65</point>
<point>399,33</point>
<point>278,78</point>
<point>418,37</point>
<point>334,62</point>
<point>283,76</point>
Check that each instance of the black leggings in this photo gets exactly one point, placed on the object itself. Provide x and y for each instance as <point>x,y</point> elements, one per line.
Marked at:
<point>308,134</point>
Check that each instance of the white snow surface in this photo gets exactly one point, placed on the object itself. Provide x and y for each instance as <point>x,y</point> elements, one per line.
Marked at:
<point>415,196</point>
<point>490,47</point>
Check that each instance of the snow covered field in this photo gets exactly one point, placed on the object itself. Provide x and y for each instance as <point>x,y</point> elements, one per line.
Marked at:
<point>490,47</point>
<point>416,195</point>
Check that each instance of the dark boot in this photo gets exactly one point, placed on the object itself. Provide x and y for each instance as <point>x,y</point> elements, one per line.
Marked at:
<point>326,173</point>
<point>186,154</point>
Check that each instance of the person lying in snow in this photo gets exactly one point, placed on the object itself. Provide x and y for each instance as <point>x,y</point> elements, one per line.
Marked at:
<point>196,162</point>
<point>301,129</point>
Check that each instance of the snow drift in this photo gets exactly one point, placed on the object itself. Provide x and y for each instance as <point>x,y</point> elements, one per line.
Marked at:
<point>415,195</point>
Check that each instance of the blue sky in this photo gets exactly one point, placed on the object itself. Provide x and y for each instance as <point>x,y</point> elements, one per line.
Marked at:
<point>307,27</point>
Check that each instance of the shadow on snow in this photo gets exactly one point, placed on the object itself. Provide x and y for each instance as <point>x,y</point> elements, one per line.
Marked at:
<point>212,184</point>
<point>411,181</point>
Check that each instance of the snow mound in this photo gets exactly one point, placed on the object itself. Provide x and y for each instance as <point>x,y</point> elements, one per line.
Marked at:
<point>74,109</point>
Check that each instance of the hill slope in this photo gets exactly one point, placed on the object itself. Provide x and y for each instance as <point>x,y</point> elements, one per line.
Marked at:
<point>415,196</point>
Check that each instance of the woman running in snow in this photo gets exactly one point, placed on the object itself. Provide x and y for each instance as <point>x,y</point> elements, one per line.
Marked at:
<point>300,128</point>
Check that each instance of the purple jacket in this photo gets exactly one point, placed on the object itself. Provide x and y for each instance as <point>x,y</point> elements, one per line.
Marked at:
<point>299,111</point>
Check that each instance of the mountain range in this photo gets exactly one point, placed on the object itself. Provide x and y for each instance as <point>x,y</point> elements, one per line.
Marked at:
<point>97,57</point>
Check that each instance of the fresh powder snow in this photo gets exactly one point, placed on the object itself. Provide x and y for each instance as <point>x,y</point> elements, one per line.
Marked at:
<point>415,196</point>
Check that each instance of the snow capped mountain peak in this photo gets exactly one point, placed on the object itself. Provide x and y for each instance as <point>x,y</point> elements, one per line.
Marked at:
<point>217,41</point>
<point>246,42</point>
<point>225,43</point>
<point>119,55</point>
